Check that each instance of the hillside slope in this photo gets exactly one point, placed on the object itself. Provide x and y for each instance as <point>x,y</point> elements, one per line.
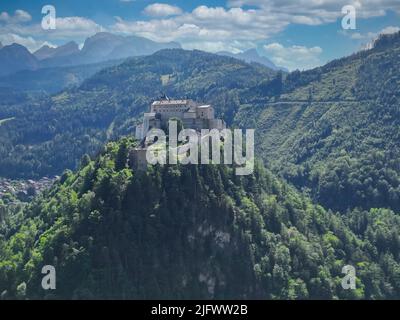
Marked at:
<point>334,130</point>
<point>179,232</point>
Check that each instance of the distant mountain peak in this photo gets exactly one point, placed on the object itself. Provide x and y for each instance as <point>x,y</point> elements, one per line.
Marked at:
<point>103,34</point>
<point>100,47</point>
<point>71,44</point>
<point>68,48</point>
<point>16,57</point>
<point>43,52</point>
<point>253,52</point>
<point>15,46</point>
<point>252,55</point>
<point>100,37</point>
<point>46,51</point>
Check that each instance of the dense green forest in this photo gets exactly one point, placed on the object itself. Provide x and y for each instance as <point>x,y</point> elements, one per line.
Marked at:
<point>330,194</point>
<point>192,232</point>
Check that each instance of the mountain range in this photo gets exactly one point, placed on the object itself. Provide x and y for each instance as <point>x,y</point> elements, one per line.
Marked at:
<point>325,193</point>
<point>47,52</point>
<point>101,47</point>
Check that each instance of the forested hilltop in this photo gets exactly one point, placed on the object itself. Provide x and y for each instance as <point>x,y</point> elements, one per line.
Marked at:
<point>192,232</point>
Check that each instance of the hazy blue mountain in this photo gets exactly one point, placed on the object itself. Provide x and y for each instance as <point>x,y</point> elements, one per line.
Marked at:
<point>14,58</point>
<point>52,80</point>
<point>253,56</point>
<point>47,52</point>
<point>52,69</point>
<point>138,46</point>
<point>105,46</point>
<point>99,46</point>
<point>44,52</point>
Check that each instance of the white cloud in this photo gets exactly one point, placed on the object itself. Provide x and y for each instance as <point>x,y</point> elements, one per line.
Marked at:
<point>13,30</point>
<point>162,10</point>
<point>293,57</point>
<point>207,27</point>
<point>243,25</point>
<point>370,37</point>
<point>218,27</point>
<point>322,10</point>
<point>247,21</point>
<point>76,28</point>
<point>375,35</point>
<point>389,30</point>
<point>20,16</point>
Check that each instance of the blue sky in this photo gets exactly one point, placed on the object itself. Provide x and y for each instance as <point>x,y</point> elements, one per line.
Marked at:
<point>293,33</point>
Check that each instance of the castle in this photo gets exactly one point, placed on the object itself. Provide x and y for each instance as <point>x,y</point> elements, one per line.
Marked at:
<point>192,115</point>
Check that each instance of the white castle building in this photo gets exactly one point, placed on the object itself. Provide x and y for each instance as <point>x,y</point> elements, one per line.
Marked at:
<point>192,115</point>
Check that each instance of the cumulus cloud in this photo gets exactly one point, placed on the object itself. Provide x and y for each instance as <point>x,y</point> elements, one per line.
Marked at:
<point>369,38</point>
<point>389,30</point>
<point>243,21</point>
<point>322,10</point>
<point>76,27</point>
<point>19,16</point>
<point>66,28</point>
<point>243,24</point>
<point>162,10</point>
<point>372,35</point>
<point>293,57</point>
<point>207,28</point>
<point>14,28</point>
